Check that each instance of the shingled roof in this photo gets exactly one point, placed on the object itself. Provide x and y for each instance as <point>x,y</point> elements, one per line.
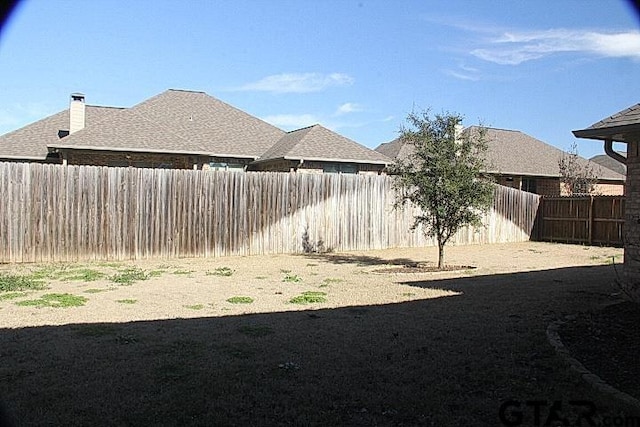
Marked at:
<point>179,121</point>
<point>623,126</point>
<point>610,163</point>
<point>317,143</point>
<point>511,152</point>
<point>30,142</point>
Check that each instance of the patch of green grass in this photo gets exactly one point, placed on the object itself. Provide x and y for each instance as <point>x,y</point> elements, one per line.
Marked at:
<point>309,297</point>
<point>194,306</point>
<point>97,290</point>
<point>240,300</point>
<point>55,300</point>
<point>221,271</point>
<point>82,275</point>
<point>292,278</point>
<point>261,277</point>
<point>182,272</point>
<point>311,264</point>
<point>129,275</point>
<point>285,271</point>
<point>12,295</point>
<point>19,282</point>
<point>109,264</point>
<point>330,280</point>
<point>408,294</point>
<point>127,301</point>
<point>156,273</point>
<point>66,272</point>
<point>255,330</point>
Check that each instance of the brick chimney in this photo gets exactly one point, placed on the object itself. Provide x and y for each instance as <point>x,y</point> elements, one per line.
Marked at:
<point>76,112</point>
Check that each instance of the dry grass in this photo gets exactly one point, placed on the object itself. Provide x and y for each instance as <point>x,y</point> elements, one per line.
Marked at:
<point>441,349</point>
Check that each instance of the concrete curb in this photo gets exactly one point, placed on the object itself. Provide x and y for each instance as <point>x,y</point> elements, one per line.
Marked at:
<point>593,380</point>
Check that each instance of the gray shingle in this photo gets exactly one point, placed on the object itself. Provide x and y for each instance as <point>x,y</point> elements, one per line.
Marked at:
<point>181,121</point>
<point>512,152</point>
<point>30,142</point>
<point>610,163</point>
<point>319,143</point>
<point>623,126</point>
<point>628,116</point>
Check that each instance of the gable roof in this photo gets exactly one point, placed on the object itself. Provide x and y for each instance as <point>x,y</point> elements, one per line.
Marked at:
<point>317,143</point>
<point>623,126</point>
<point>512,152</point>
<point>180,121</point>
<point>30,142</point>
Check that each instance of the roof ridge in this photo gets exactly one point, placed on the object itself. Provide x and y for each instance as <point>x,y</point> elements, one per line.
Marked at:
<point>187,90</point>
<point>305,128</point>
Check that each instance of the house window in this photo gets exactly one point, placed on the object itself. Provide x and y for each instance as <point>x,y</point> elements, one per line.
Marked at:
<point>223,166</point>
<point>529,185</point>
<point>339,168</point>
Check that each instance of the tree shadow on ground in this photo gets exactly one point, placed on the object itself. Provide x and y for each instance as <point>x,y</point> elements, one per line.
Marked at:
<point>446,361</point>
<point>359,260</point>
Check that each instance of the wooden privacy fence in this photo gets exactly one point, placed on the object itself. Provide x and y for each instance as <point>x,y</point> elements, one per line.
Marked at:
<point>591,220</point>
<point>66,213</point>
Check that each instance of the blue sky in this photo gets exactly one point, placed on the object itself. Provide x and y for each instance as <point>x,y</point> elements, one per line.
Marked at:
<point>544,67</point>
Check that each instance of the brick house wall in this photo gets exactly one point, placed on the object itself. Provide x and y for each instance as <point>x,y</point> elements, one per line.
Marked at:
<point>124,159</point>
<point>311,167</point>
<point>632,216</point>
<point>609,189</point>
<point>147,160</point>
<point>553,187</point>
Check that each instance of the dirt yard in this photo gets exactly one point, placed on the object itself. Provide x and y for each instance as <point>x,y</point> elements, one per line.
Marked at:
<point>296,340</point>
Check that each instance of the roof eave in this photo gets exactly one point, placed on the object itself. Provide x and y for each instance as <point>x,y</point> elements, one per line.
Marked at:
<point>148,150</point>
<point>321,159</point>
<point>614,133</point>
<point>8,156</point>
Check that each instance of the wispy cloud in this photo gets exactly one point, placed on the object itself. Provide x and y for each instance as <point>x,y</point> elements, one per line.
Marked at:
<point>298,82</point>
<point>463,72</point>
<point>348,107</point>
<point>516,47</point>
<point>462,76</point>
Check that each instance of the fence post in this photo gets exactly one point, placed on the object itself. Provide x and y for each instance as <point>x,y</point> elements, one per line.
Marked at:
<point>590,238</point>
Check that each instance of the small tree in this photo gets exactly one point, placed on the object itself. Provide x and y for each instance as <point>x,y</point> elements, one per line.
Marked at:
<point>443,176</point>
<point>578,177</point>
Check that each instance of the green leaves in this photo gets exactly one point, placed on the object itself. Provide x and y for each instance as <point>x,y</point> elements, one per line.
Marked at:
<point>443,174</point>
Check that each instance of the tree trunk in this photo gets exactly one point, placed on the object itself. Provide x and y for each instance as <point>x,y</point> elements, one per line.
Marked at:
<point>440,255</point>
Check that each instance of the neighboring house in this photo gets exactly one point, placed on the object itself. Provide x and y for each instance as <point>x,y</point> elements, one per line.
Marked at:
<point>30,142</point>
<point>624,126</point>
<point>176,129</point>
<point>316,149</point>
<point>520,161</point>
<point>610,163</point>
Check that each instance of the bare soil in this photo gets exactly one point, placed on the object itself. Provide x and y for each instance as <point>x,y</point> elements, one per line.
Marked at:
<point>607,342</point>
<point>424,348</point>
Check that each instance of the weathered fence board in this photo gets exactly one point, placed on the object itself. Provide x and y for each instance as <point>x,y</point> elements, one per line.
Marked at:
<point>65,213</point>
<point>591,220</point>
